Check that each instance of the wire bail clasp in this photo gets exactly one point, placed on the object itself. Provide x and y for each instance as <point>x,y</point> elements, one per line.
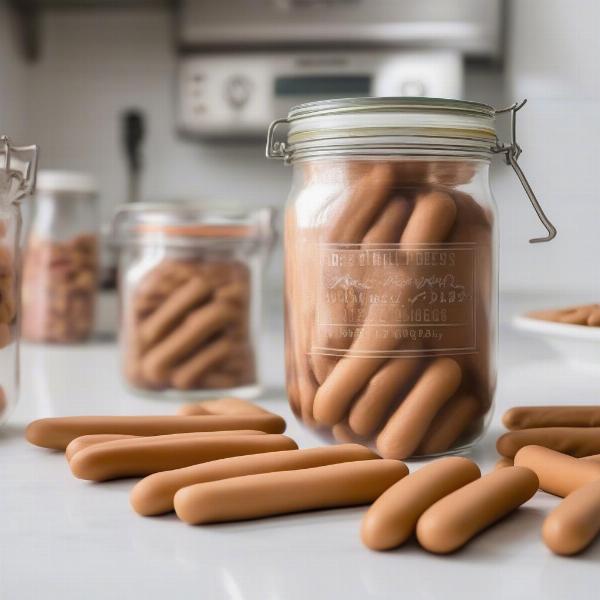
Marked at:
<point>275,148</point>
<point>511,153</point>
<point>25,174</point>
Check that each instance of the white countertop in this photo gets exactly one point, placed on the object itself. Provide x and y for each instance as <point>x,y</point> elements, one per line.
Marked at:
<point>65,538</point>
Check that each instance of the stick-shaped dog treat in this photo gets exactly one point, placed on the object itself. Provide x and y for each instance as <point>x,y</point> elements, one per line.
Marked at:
<point>449,424</point>
<point>559,474</point>
<point>140,457</point>
<point>269,494</point>
<point>408,425</point>
<point>383,389</point>
<point>57,432</point>
<point>576,441</point>
<point>222,406</point>
<point>573,525</point>
<point>528,417</point>
<point>392,519</point>
<point>154,494</point>
<point>452,521</point>
<point>175,307</point>
<point>197,328</point>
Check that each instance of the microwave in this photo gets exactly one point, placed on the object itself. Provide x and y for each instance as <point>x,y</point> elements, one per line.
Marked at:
<point>239,94</point>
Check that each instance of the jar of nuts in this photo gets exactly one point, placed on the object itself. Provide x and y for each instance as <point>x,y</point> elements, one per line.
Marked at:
<point>60,266</point>
<point>390,245</point>
<point>17,179</point>
<point>190,290</point>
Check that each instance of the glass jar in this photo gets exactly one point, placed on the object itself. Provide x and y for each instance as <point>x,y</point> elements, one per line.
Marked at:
<point>190,283</point>
<point>391,277</point>
<point>17,178</point>
<point>60,267</point>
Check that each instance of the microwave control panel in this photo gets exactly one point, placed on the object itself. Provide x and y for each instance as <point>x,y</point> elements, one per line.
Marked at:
<point>238,95</point>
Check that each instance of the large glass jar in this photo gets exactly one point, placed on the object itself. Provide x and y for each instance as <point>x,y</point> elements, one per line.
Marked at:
<point>391,278</point>
<point>60,267</point>
<point>17,178</point>
<point>190,282</point>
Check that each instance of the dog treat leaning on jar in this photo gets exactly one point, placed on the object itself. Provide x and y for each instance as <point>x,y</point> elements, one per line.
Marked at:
<point>190,291</point>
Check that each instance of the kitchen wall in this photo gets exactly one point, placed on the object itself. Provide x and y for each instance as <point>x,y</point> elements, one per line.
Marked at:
<point>95,64</point>
<point>12,78</point>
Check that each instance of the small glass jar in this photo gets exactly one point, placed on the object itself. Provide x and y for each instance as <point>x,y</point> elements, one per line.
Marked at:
<point>17,178</point>
<point>190,284</point>
<point>60,267</point>
<point>391,276</point>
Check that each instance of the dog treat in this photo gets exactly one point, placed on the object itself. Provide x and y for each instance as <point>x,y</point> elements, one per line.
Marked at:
<point>588,314</point>
<point>455,417</point>
<point>452,521</point>
<point>187,326</point>
<point>154,494</point>
<point>559,474</point>
<point>393,517</point>
<point>85,441</point>
<point>143,456</point>
<point>573,525</point>
<point>57,432</point>
<point>407,427</point>
<point>576,441</point>
<point>222,406</point>
<point>529,417</point>
<point>59,289</point>
<point>282,492</point>
<point>504,462</point>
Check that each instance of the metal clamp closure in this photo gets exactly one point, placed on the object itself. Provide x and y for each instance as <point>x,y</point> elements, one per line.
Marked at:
<point>25,179</point>
<point>275,148</point>
<point>511,153</point>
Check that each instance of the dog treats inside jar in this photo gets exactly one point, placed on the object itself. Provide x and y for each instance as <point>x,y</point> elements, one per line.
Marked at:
<point>17,179</point>
<point>190,291</point>
<point>60,268</point>
<point>390,272</point>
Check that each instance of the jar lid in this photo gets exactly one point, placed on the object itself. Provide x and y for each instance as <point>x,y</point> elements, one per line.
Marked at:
<point>18,170</point>
<point>349,123</point>
<point>66,182</point>
<point>188,224</point>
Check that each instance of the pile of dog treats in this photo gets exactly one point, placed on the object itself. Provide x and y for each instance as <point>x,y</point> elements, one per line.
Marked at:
<point>228,460</point>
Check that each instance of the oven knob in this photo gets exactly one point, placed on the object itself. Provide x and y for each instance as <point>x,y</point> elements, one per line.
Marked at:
<point>237,91</point>
<point>413,88</point>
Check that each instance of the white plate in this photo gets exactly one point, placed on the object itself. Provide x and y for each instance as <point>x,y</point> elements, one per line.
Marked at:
<point>577,344</point>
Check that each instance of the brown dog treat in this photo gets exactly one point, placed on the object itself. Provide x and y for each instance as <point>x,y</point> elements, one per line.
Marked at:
<point>449,424</point>
<point>154,494</point>
<point>504,462</point>
<point>283,492</point>
<point>573,525</point>
<point>222,406</point>
<point>385,387</point>
<point>559,474</point>
<point>196,329</point>
<point>388,227</point>
<point>85,441</point>
<point>406,428</point>
<point>142,456</point>
<point>594,318</point>
<point>576,441</point>
<point>530,417</point>
<point>393,517</point>
<point>57,432</point>
<point>188,374</point>
<point>452,521</point>
<point>175,307</point>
